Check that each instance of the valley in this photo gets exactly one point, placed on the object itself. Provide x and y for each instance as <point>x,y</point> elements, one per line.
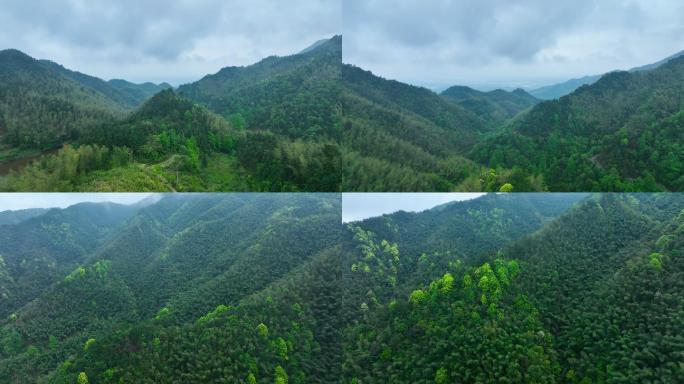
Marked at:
<point>535,288</point>
<point>270,126</point>
<point>622,132</point>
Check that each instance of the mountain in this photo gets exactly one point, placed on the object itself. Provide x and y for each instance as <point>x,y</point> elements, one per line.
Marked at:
<point>36,252</point>
<point>556,91</point>
<point>400,137</point>
<point>165,112</point>
<point>195,288</point>
<point>296,96</point>
<point>138,93</point>
<point>16,217</point>
<point>657,64</point>
<point>42,107</point>
<point>271,126</point>
<point>313,46</point>
<point>123,93</point>
<point>621,133</point>
<point>601,272</point>
<point>216,265</point>
<point>494,106</point>
<point>594,294</point>
<point>44,104</point>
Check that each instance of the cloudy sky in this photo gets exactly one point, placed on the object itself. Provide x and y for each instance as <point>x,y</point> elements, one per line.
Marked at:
<point>358,206</point>
<point>176,41</point>
<point>490,43</point>
<point>16,201</point>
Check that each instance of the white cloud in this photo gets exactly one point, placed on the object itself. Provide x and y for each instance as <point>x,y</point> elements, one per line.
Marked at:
<point>163,40</point>
<point>437,43</point>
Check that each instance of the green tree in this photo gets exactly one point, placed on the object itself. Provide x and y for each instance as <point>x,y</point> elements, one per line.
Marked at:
<point>441,376</point>
<point>88,344</point>
<point>280,375</point>
<point>262,329</point>
<point>508,187</point>
<point>193,153</point>
<point>82,378</point>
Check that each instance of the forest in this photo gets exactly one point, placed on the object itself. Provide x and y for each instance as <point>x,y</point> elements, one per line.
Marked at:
<point>308,122</point>
<point>101,292</point>
<point>271,126</point>
<point>622,132</point>
<point>272,288</point>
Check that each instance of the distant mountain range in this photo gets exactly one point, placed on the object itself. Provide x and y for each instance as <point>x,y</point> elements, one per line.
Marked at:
<point>623,132</point>
<point>16,217</point>
<point>495,106</point>
<point>561,89</point>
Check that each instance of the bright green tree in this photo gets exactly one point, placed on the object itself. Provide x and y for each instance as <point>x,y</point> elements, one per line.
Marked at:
<point>82,378</point>
<point>262,329</point>
<point>441,376</point>
<point>508,187</point>
<point>280,375</point>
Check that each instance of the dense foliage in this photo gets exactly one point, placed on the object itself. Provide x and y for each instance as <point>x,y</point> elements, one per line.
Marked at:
<point>185,275</point>
<point>402,138</point>
<point>271,126</point>
<point>622,133</point>
<point>44,104</point>
<point>245,288</point>
<point>494,106</point>
<point>594,296</point>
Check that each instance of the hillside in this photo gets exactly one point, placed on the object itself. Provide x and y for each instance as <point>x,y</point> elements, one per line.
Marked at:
<point>402,138</point>
<point>37,252</point>
<point>136,94</point>
<point>125,94</point>
<point>494,106</point>
<point>535,288</point>
<point>41,107</point>
<point>271,126</point>
<point>44,104</point>
<point>180,262</point>
<point>16,217</point>
<point>296,96</point>
<point>622,133</point>
<point>594,295</point>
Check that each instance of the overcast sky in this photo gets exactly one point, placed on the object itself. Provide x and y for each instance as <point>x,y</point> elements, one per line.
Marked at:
<point>490,43</point>
<point>176,41</point>
<point>358,206</point>
<point>16,201</point>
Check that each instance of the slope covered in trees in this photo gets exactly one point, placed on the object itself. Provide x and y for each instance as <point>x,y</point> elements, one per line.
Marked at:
<point>44,104</point>
<point>40,250</point>
<point>622,133</point>
<point>174,271</point>
<point>41,107</point>
<point>399,137</point>
<point>296,96</point>
<point>16,217</point>
<point>595,295</point>
<point>271,126</point>
<point>494,106</point>
<point>245,288</point>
